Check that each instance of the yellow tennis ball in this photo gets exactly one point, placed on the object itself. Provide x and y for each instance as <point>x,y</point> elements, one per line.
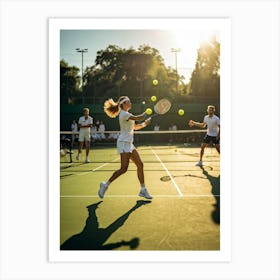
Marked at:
<point>154,98</point>
<point>149,111</point>
<point>181,112</point>
<point>155,82</point>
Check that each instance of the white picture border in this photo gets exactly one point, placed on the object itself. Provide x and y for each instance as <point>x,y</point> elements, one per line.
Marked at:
<point>255,167</point>
<point>57,24</point>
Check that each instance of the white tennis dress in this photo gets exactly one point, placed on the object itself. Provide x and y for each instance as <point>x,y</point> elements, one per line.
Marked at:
<point>125,139</point>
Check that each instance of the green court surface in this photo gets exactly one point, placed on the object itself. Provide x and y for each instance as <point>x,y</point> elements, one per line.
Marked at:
<point>184,213</point>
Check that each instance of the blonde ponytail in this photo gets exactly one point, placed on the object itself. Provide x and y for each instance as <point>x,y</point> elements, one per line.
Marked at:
<point>112,108</point>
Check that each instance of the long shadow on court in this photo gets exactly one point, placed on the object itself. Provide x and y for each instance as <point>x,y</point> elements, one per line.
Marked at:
<point>93,238</point>
<point>215,183</point>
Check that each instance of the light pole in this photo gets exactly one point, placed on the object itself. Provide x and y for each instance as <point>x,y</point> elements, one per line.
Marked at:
<point>176,51</point>
<point>82,51</point>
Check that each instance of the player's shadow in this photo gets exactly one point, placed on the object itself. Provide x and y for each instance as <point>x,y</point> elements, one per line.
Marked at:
<point>93,238</point>
<point>215,184</point>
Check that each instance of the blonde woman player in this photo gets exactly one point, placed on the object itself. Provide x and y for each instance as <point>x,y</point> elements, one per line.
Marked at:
<point>213,131</point>
<point>125,145</point>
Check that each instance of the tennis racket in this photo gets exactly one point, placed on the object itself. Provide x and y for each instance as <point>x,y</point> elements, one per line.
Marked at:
<point>161,107</point>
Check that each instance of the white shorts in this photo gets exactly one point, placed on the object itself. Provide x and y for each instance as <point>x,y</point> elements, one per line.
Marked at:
<point>84,135</point>
<point>125,147</point>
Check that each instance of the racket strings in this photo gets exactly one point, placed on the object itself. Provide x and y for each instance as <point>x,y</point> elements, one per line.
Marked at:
<point>162,106</point>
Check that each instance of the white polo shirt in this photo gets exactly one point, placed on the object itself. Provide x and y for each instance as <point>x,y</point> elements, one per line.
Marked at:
<point>212,125</point>
<point>126,127</point>
<point>83,121</point>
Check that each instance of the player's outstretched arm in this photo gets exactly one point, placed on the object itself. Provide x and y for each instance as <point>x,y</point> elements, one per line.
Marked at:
<point>142,125</point>
<point>138,118</point>
<point>198,124</point>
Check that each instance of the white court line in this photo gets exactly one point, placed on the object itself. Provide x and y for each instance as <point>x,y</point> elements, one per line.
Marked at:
<point>168,173</point>
<point>127,196</point>
<point>97,168</point>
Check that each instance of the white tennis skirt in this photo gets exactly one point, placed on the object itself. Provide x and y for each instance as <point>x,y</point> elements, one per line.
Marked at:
<point>125,147</point>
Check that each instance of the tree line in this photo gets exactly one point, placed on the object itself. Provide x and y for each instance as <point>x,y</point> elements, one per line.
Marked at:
<point>118,71</point>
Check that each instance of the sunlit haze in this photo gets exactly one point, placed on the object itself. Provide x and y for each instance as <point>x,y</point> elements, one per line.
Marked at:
<point>184,43</point>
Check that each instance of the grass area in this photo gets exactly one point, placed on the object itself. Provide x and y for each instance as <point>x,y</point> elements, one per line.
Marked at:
<point>183,215</point>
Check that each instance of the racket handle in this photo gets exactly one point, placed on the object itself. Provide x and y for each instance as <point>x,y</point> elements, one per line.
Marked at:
<point>153,115</point>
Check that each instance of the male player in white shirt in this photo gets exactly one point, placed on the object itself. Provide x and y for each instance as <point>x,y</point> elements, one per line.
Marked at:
<point>85,123</point>
<point>213,131</point>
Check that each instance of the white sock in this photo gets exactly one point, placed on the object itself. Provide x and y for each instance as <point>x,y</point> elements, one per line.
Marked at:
<point>143,186</point>
<point>107,184</point>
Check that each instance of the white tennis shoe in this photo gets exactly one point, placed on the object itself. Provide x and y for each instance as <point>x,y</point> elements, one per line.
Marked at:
<point>199,163</point>
<point>102,190</point>
<point>144,193</point>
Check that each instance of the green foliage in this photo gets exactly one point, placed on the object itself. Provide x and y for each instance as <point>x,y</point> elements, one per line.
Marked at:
<point>118,72</point>
<point>205,79</point>
<point>69,82</point>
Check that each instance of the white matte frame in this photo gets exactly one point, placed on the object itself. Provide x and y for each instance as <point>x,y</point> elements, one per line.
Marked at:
<point>224,27</point>
<point>255,185</point>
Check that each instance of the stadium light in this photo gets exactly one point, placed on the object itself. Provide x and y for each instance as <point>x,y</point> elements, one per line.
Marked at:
<point>82,51</point>
<point>177,80</point>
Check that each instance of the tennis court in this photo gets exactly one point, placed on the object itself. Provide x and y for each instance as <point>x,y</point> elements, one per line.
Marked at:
<point>184,213</point>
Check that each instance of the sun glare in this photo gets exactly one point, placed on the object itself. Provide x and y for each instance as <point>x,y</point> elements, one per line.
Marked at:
<point>187,43</point>
<point>207,38</point>
<point>185,39</point>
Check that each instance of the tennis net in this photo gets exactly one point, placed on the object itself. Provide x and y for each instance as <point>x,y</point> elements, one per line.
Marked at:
<point>141,137</point>
<point>162,139</point>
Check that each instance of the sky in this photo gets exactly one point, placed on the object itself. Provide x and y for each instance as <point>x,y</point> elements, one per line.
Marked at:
<point>187,41</point>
